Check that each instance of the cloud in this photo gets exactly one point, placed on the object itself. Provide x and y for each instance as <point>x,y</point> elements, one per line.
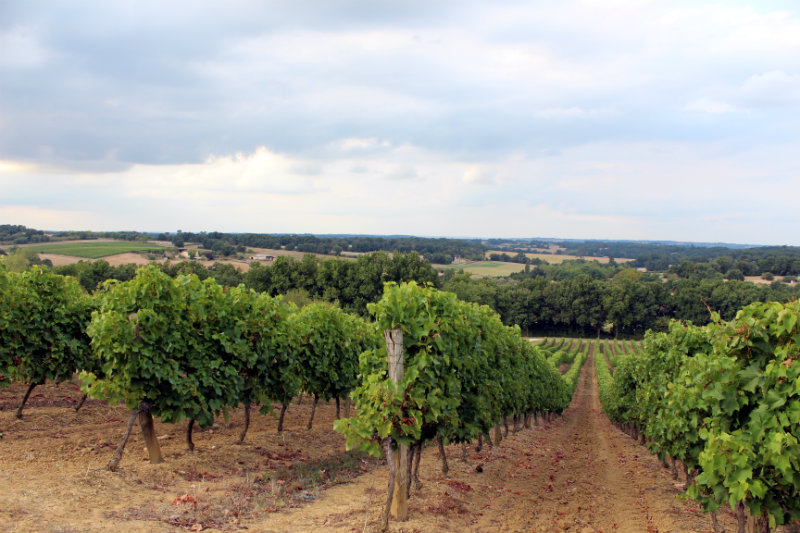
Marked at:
<point>475,174</point>
<point>21,48</point>
<point>353,144</point>
<point>774,89</point>
<point>403,173</point>
<point>384,116</point>
<point>706,105</point>
<point>168,84</point>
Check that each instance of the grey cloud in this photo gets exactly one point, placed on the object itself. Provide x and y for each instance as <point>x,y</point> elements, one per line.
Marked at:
<point>170,83</point>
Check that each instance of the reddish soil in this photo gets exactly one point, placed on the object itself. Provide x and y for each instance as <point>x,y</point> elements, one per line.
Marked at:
<point>576,473</point>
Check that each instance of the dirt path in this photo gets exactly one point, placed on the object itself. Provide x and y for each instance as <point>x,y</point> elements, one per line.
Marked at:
<point>581,474</point>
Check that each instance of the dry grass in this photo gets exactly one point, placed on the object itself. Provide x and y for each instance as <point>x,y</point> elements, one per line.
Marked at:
<point>485,269</point>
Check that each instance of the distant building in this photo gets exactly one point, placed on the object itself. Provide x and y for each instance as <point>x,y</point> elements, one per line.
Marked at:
<point>262,257</point>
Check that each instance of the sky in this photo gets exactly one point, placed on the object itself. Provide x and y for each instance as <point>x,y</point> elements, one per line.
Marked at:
<point>584,119</point>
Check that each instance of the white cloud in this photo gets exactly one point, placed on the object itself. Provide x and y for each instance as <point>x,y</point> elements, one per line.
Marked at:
<point>707,105</point>
<point>20,48</point>
<point>351,144</point>
<point>477,174</point>
<point>774,88</point>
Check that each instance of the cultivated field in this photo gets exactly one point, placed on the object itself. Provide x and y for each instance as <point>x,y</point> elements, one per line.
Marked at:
<point>485,269</point>
<point>95,249</point>
<point>560,258</point>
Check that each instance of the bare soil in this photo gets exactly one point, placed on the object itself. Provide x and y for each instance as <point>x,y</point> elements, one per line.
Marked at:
<point>576,473</point>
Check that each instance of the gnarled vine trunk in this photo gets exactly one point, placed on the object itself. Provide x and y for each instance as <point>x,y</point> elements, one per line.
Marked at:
<point>148,432</point>
<point>387,448</point>
<point>445,466</point>
<point>741,517</point>
<point>189,441</point>
<point>114,462</point>
<point>25,399</point>
<point>313,410</point>
<point>80,403</point>
<point>284,407</point>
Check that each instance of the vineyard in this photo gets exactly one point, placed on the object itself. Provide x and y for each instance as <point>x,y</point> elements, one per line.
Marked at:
<point>254,413</point>
<point>96,249</point>
<point>724,401</point>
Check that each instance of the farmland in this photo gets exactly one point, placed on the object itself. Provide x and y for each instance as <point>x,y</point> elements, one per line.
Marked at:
<point>96,249</point>
<point>484,269</point>
<point>554,258</point>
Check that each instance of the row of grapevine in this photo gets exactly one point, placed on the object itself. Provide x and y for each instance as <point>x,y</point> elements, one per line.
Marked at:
<point>464,372</point>
<point>723,399</point>
<point>636,348</point>
<point>176,348</point>
<point>607,349</point>
<point>184,349</point>
<point>562,352</point>
<point>571,376</point>
<point>604,381</point>
<point>42,322</point>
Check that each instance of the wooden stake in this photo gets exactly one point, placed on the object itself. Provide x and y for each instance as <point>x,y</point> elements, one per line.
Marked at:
<point>149,433</point>
<point>394,348</point>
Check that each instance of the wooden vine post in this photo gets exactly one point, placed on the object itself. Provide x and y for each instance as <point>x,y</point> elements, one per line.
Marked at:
<point>394,348</point>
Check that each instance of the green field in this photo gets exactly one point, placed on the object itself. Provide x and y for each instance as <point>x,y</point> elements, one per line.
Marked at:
<point>96,250</point>
<point>485,268</point>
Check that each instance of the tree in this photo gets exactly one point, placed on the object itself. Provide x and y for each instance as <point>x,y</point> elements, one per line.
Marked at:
<point>20,259</point>
<point>734,274</point>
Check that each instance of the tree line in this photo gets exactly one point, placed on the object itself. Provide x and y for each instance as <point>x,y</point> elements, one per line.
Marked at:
<point>589,299</point>
<point>581,298</point>
<point>352,284</point>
